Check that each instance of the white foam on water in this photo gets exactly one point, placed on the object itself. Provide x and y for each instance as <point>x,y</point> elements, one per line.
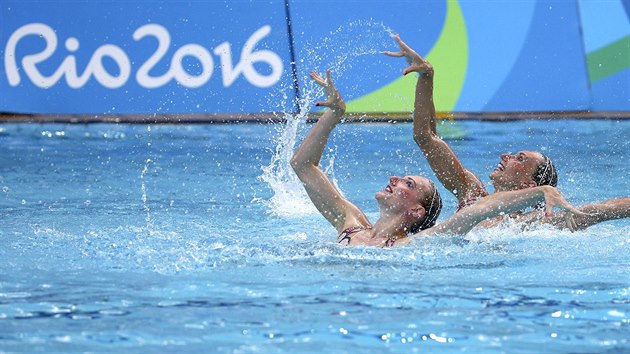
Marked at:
<point>289,197</point>
<point>143,188</point>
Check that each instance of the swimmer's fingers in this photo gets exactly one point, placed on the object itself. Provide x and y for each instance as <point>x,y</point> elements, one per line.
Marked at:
<point>578,212</point>
<point>403,46</point>
<point>333,98</point>
<point>570,222</point>
<point>318,79</point>
<point>416,62</point>
<point>324,104</point>
<point>553,197</point>
<point>405,50</point>
<point>394,54</point>
<point>331,90</point>
<point>570,208</point>
<point>333,103</point>
<point>315,76</point>
<point>410,69</point>
<point>410,54</point>
<point>329,79</point>
<point>559,200</point>
<point>408,59</point>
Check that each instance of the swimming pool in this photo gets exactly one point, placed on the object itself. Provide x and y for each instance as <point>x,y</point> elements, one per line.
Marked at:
<point>160,238</point>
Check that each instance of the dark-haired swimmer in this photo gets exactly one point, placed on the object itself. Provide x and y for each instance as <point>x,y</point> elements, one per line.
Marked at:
<point>524,169</point>
<point>409,206</point>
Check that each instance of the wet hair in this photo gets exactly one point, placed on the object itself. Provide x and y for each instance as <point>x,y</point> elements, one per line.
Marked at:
<point>433,205</point>
<point>545,174</point>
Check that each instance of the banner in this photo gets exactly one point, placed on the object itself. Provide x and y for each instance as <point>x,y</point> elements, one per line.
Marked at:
<point>117,57</point>
<point>235,57</point>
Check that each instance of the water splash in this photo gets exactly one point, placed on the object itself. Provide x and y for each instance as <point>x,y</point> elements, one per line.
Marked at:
<point>5,188</point>
<point>143,187</point>
<point>362,37</point>
<point>289,197</point>
<point>359,38</point>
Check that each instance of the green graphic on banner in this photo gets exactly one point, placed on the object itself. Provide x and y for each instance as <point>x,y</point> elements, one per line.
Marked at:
<point>609,60</point>
<point>450,66</point>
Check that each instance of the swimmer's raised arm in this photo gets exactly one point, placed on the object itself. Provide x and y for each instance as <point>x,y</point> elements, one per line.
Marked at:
<point>305,162</point>
<point>447,167</point>
<point>503,203</point>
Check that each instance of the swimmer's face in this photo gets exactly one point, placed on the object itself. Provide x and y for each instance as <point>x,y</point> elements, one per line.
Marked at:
<point>404,192</point>
<point>516,171</point>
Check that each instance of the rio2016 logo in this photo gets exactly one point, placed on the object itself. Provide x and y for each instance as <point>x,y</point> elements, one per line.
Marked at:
<point>176,71</point>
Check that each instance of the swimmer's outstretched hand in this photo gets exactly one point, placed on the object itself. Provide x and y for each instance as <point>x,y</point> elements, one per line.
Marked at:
<point>553,197</point>
<point>333,98</point>
<point>415,61</point>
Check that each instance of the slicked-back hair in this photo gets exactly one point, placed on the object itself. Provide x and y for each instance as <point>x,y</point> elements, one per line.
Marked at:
<point>433,206</point>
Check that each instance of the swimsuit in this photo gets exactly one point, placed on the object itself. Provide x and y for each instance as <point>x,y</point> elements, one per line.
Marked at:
<point>345,236</point>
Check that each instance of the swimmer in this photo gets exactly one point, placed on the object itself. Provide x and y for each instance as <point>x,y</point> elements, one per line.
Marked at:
<point>524,169</point>
<point>409,206</point>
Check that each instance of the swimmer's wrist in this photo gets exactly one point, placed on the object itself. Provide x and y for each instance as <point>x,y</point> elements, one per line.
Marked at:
<point>428,72</point>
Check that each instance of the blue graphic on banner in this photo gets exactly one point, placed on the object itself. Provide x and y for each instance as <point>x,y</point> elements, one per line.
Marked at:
<point>549,74</point>
<point>142,57</point>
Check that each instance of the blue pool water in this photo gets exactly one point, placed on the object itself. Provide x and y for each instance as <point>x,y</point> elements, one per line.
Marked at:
<point>140,238</point>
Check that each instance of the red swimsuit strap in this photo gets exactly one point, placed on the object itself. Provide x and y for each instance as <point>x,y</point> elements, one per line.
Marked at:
<point>345,234</point>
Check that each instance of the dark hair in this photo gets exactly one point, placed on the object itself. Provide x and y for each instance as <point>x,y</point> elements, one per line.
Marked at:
<point>433,205</point>
<point>545,174</point>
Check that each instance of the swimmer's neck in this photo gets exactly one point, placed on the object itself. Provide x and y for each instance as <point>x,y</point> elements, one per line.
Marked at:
<point>500,188</point>
<point>387,227</point>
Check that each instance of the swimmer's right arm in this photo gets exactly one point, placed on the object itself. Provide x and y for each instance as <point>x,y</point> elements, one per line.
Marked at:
<point>447,167</point>
<point>501,203</point>
<point>305,162</point>
<point>594,213</point>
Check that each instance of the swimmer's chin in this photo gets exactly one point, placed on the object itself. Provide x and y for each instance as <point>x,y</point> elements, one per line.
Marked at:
<point>380,196</point>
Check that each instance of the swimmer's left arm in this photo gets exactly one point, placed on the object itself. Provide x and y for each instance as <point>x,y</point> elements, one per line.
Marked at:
<point>305,162</point>
<point>501,203</point>
<point>443,161</point>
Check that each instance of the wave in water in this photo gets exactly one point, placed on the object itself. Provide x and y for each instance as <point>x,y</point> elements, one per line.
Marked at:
<point>200,246</point>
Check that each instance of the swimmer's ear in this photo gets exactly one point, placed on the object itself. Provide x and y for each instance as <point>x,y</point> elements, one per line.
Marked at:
<point>417,212</point>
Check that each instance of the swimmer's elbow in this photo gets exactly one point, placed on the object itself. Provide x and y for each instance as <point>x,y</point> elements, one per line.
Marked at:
<point>299,165</point>
<point>296,163</point>
<point>425,138</point>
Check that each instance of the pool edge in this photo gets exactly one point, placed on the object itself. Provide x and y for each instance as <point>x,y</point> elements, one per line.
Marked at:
<point>188,118</point>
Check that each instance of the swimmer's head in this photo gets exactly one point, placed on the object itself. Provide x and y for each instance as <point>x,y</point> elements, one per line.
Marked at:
<point>432,203</point>
<point>415,198</point>
<point>523,170</point>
